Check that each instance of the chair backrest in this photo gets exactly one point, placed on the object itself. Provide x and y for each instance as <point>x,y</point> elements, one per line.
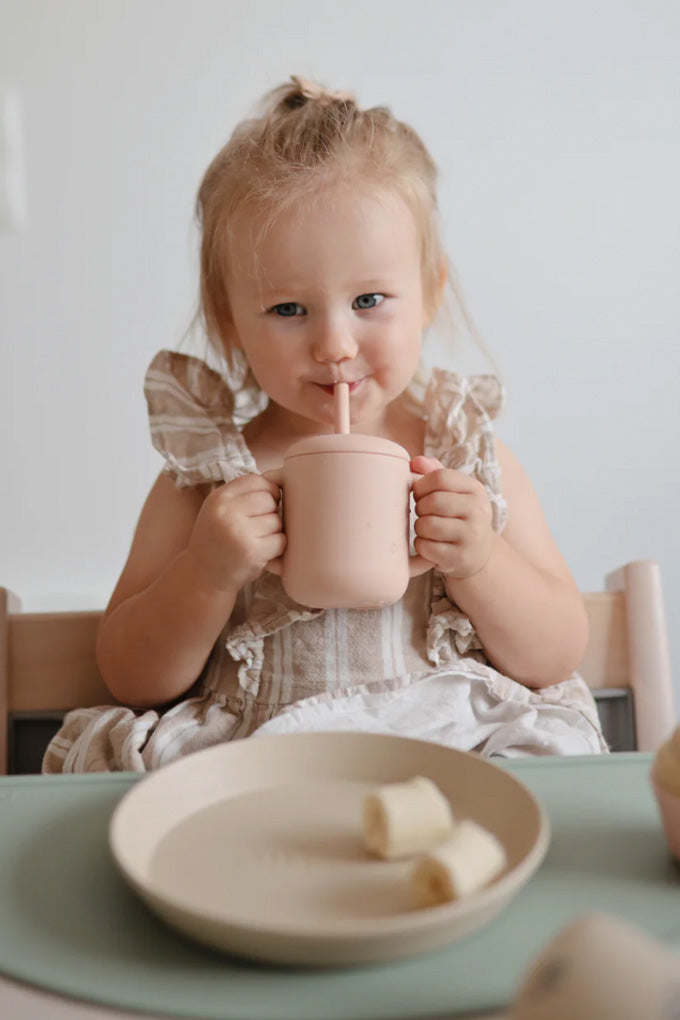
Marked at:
<point>48,666</point>
<point>627,654</point>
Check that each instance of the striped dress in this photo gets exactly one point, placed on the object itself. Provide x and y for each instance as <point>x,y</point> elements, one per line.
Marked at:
<point>415,668</point>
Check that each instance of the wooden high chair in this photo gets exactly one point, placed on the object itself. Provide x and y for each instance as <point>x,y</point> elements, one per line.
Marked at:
<point>47,666</point>
<point>627,661</point>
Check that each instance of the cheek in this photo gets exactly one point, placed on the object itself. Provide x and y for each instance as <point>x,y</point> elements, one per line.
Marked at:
<point>273,367</point>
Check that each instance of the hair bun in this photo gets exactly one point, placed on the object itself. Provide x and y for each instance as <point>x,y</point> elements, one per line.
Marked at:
<point>307,90</point>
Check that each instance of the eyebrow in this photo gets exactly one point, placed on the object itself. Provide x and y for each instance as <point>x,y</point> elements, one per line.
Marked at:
<point>358,286</point>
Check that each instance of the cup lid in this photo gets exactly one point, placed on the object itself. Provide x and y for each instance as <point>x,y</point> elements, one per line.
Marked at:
<point>335,442</point>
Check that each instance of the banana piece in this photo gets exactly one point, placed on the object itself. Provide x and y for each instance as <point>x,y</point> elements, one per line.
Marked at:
<point>401,819</point>
<point>666,767</point>
<point>465,863</point>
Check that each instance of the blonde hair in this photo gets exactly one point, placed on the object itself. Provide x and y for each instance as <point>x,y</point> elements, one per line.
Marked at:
<point>303,139</point>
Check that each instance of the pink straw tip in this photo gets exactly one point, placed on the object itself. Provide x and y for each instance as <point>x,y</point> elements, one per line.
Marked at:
<point>341,398</point>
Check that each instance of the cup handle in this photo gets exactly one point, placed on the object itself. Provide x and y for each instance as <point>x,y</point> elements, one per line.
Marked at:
<point>275,475</point>
<point>417,564</point>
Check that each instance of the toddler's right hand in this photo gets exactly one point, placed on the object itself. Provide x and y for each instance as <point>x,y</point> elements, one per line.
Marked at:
<point>237,531</point>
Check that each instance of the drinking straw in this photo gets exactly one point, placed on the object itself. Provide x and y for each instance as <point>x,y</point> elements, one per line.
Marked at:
<point>341,398</point>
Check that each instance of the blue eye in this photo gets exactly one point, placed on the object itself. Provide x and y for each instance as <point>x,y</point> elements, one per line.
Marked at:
<point>366,301</point>
<point>287,309</point>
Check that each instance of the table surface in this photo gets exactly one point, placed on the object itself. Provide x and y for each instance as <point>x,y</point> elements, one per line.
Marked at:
<point>69,918</point>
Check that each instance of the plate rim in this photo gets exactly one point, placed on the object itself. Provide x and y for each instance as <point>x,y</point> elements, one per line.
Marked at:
<point>360,930</point>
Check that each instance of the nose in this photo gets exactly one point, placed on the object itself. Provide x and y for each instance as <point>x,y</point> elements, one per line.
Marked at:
<point>334,342</point>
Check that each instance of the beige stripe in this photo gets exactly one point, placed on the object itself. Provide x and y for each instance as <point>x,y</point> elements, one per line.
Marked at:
<point>244,728</point>
<point>342,650</point>
<point>160,383</point>
<point>331,655</point>
<point>191,423</point>
<point>85,750</point>
<point>275,693</point>
<point>398,638</point>
<point>386,641</point>
<point>286,687</point>
<point>168,743</point>
<point>169,392</point>
<point>202,459</point>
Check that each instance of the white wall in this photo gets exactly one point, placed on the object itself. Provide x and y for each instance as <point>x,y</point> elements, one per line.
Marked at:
<point>556,129</point>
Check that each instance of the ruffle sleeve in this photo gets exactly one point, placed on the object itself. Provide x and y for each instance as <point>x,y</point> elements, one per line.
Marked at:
<point>460,411</point>
<point>191,417</point>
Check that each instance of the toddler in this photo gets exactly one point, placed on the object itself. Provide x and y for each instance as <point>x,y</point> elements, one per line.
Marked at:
<point>321,261</point>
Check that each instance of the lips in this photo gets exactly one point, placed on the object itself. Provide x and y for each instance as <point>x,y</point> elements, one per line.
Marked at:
<point>330,388</point>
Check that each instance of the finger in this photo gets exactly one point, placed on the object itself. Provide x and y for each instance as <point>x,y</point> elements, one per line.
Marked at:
<point>266,485</point>
<point>244,499</point>
<point>437,553</point>
<point>443,504</point>
<point>423,465</point>
<point>440,529</point>
<point>267,547</point>
<point>444,479</point>
<point>253,483</point>
<point>273,546</point>
<point>255,504</point>
<point>273,489</point>
<point>266,524</point>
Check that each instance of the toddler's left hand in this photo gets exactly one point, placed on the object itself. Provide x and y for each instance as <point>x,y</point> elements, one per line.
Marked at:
<point>454,526</point>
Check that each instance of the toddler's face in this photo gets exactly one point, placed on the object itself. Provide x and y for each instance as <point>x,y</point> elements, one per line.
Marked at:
<point>333,292</point>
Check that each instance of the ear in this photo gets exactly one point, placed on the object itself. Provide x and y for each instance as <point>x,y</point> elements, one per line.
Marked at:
<point>434,300</point>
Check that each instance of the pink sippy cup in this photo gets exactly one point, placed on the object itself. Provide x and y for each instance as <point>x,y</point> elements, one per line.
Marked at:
<point>346,519</point>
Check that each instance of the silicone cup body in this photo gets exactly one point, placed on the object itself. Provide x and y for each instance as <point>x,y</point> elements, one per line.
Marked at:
<point>346,520</point>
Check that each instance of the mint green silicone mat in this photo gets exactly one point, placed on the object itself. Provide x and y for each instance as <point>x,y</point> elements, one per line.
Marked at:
<point>71,925</point>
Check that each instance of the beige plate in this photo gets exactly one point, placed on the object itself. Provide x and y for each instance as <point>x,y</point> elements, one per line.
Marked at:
<point>256,847</point>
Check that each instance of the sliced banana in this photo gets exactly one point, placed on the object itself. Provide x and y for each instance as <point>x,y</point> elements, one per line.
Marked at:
<point>407,818</point>
<point>466,862</point>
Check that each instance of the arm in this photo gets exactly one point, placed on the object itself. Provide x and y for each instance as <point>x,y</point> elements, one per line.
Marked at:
<point>515,586</point>
<point>192,552</point>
